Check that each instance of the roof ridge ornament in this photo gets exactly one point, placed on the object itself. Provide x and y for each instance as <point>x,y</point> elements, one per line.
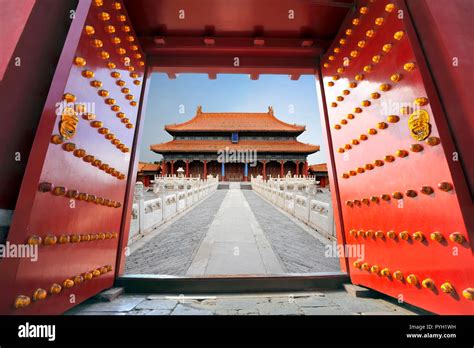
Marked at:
<point>270,110</point>
<point>199,110</point>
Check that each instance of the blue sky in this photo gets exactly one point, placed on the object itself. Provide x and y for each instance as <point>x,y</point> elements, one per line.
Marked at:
<point>230,93</point>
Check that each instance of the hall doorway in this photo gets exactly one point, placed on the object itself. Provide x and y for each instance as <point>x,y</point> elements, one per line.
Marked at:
<point>233,194</point>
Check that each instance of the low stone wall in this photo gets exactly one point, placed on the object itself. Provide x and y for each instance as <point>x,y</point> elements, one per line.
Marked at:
<point>151,213</point>
<point>295,196</point>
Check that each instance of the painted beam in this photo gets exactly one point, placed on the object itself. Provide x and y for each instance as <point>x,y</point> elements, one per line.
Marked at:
<point>233,65</point>
<point>236,46</point>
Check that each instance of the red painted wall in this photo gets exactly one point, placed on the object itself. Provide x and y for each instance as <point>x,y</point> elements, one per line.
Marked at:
<point>444,28</point>
<point>13,16</point>
<point>24,88</point>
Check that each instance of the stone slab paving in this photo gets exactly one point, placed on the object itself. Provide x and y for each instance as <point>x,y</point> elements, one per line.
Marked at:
<point>307,303</point>
<point>298,250</point>
<point>172,251</point>
<point>235,243</point>
<point>232,232</point>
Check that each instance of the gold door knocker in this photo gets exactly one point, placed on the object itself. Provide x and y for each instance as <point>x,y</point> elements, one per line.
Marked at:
<point>419,124</point>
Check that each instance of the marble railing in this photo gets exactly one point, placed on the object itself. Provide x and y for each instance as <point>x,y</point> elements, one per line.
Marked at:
<point>168,198</point>
<point>301,198</point>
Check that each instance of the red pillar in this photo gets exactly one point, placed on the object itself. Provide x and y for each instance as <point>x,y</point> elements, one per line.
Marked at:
<point>297,168</point>
<point>172,168</point>
<point>264,170</point>
<point>187,168</point>
<point>164,169</point>
<point>322,181</point>
<point>281,169</point>
<point>205,170</point>
<point>305,168</point>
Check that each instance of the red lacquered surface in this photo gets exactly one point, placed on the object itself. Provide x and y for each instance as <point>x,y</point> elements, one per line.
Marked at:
<point>43,213</point>
<point>441,211</point>
<point>448,53</point>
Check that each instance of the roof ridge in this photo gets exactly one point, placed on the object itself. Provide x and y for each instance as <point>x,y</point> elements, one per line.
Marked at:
<point>253,113</point>
<point>263,122</point>
<point>214,145</point>
<point>283,122</point>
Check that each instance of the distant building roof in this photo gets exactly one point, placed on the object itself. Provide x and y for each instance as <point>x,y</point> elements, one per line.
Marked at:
<point>148,167</point>
<point>213,146</point>
<point>321,167</point>
<point>234,121</point>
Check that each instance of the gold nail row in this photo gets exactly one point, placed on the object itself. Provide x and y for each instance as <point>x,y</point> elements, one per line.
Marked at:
<point>427,190</point>
<point>98,84</point>
<point>80,153</point>
<point>97,43</point>
<point>412,279</point>
<point>106,132</point>
<point>81,62</point>
<point>387,48</point>
<point>72,238</point>
<point>375,59</point>
<point>116,75</point>
<point>356,21</point>
<point>373,131</point>
<point>110,29</point>
<point>409,67</point>
<point>90,74</point>
<point>40,294</point>
<point>74,194</point>
<point>384,87</point>
<point>104,93</point>
<point>115,5</point>
<point>110,101</point>
<point>417,236</point>
<point>387,159</point>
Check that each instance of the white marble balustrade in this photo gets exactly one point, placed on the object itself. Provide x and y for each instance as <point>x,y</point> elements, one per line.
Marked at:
<point>300,197</point>
<point>168,197</point>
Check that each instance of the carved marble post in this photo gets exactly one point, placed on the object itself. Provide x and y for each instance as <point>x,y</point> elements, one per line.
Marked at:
<point>139,198</point>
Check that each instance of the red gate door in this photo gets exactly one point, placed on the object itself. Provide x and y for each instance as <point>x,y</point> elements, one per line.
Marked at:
<point>71,201</point>
<point>403,197</point>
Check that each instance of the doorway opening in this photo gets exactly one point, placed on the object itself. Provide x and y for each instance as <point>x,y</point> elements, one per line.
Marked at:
<point>232,180</point>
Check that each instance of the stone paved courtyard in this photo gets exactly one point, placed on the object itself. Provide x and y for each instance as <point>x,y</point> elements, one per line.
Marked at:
<point>298,250</point>
<point>308,303</point>
<point>231,232</point>
<point>171,251</point>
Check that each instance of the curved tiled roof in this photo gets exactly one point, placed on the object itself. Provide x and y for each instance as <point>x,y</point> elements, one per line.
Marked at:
<point>234,121</point>
<point>148,167</point>
<point>321,167</point>
<point>213,146</point>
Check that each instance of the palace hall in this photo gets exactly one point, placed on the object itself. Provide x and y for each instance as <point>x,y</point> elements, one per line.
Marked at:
<point>235,146</point>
